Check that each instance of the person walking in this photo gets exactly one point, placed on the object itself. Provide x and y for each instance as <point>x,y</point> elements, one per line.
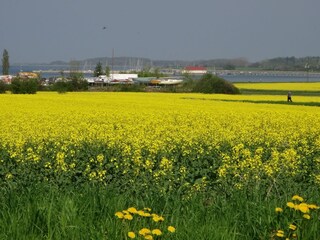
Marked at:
<point>289,97</point>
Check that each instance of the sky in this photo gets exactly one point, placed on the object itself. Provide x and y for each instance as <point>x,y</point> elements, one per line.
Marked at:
<point>42,31</point>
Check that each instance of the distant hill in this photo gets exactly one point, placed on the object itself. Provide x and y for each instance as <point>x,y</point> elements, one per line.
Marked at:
<point>289,64</point>
<point>58,63</point>
<point>138,63</point>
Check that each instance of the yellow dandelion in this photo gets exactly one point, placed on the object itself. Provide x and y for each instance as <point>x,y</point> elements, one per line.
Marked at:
<point>292,227</point>
<point>9,176</point>
<point>119,214</point>
<point>171,229</point>
<point>306,216</point>
<point>146,215</point>
<point>140,212</point>
<point>278,209</point>
<point>303,207</point>
<point>131,235</point>
<point>157,218</point>
<point>147,209</point>
<point>144,231</point>
<point>280,233</point>
<point>313,206</point>
<point>297,197</point>
<point>290,204</point>
<point>156,232</point>
<point>132,210</point>
<point>128,217</point>
<point>149,237</point>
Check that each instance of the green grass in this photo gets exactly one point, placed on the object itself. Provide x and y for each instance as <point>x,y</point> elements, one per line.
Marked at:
<point>310,104</point>
<point>44,211</point>
<point>277,92</point>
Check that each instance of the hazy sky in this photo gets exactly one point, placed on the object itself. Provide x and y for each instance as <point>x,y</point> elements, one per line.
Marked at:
<point>49,30</point>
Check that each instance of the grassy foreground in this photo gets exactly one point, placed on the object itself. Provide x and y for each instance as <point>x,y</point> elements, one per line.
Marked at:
<point>46,212</point>
<point>90,165</point>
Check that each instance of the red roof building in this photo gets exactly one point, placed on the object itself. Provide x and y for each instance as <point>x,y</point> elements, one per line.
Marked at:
<point>195,70</point>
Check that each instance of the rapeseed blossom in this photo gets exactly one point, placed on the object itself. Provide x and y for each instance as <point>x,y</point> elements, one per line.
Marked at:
<point>108,142</point>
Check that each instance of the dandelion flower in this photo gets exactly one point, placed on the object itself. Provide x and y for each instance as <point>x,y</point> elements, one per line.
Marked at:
<point>157,218</point>
<point>132,210</point>
<point>290,204</point>
<point>297,197</point>
<point>156,232</point>
<point>303,207</point>
<point>131,235</point>
<point>149,237</point>
<point>278,209</point>
<point>141,213</point>
<point>313,206</point>
<point>146,215</point>
<point>292,227</point>
<point>280,233</point>
<point>128,217</point>
<point>144,231</point>
<point>119,214</point>
<point>171,229</point>
<point>306,216</point>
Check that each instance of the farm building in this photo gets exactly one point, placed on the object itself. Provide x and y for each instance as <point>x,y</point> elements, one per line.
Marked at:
<point>195,70</point>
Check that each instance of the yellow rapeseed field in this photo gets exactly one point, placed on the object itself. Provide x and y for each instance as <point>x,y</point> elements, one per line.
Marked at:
<point>184,140</point>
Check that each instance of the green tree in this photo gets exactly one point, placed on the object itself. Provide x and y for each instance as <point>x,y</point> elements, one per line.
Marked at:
<point>3,87</point>
<point>107,71</point>
<point>5,62</point>
<point>213,84</point>
<point>24,86</point>
<point>98,70</point>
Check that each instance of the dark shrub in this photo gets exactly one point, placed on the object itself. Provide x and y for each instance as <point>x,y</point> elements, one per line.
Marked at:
<point>24,86</point>
<point>213,84</point>
<point>3,87</point>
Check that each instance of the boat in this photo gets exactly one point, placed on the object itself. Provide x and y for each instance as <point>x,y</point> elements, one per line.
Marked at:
<point>170,81</point>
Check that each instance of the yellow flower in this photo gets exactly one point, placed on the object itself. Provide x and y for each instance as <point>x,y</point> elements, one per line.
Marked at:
<point>149,237</point>
<point>144,231</point>
<point>141,213</point>
<point>303,207</point>
<point>297,197</point>
<point>157,218</point>
<point>292,227</point>
<point>131,235</point>
<point>280,233</point>
<point>278,209</point>
<point>290,204</point>
<point>156,232</point>
<point>125,212</point>
<point>119,214</point>
<point>9,176</point>
<point>128,217</point>
<point>132,210</point>
<point>313,206</point>
<point>306,216</point>
<point>146,215</point>
<point>171,229</point>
